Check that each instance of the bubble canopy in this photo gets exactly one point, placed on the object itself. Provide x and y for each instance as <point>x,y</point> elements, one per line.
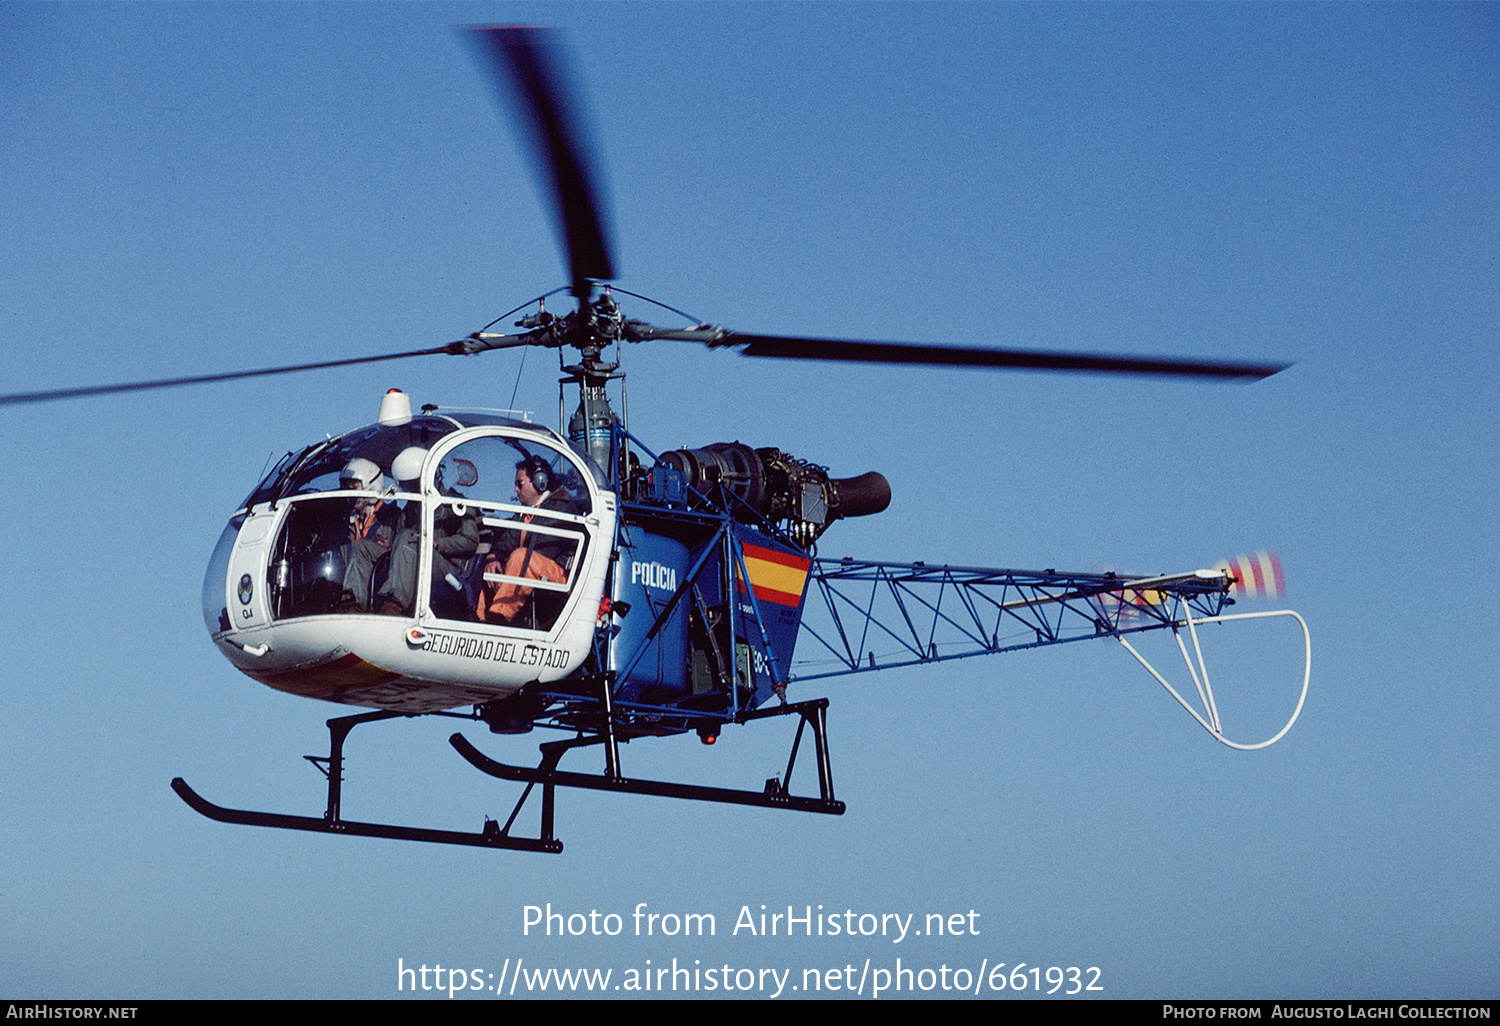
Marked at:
<point>326,544</point>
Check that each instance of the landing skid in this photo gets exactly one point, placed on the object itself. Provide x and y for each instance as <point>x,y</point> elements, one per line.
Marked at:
<point>774,796</point>
<point>489,838</point>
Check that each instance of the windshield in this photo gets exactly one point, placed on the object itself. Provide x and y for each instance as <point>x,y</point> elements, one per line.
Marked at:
<point>317,468</point>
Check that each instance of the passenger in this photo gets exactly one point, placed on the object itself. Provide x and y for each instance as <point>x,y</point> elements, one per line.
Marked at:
<point>369,514</point>
<point>455,539</point>
<point>523,553</point>
<point>373,525</point>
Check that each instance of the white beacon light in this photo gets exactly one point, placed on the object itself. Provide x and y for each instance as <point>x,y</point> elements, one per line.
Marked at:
<point>395,408</point>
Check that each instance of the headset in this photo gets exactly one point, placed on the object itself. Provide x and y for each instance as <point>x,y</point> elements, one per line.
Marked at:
<point>540,473</point>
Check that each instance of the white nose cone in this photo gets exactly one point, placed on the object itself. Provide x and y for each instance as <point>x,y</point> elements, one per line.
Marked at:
<point>395,408</point>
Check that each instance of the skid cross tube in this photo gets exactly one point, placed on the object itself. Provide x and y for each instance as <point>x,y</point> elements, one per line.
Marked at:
<point>333,823</point>
<point>775,796</point>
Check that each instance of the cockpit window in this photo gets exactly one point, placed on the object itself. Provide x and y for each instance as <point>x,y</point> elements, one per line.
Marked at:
<point>530,501</point>
<point>347,554</point>
<point>516,472</point>
<point>317,468</point>
<point>267,486</point>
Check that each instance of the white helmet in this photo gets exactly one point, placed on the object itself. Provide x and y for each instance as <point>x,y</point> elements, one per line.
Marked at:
<point>407,466</point>
<point>362,474</point>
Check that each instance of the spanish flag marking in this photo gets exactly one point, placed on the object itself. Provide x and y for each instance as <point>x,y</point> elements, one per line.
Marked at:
<point>775,576</point>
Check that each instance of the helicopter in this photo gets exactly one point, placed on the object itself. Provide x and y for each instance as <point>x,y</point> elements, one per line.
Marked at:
<point>580,582</point>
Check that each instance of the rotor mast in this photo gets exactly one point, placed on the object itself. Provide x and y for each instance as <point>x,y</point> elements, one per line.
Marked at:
<point>596,325</point>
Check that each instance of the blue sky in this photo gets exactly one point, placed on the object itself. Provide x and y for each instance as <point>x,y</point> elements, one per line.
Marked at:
<point>192,188</point>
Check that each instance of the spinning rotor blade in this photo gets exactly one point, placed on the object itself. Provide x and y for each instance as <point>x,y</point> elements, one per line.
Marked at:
<point>792,348</point>
<point>525,63</point>
<point>20,398</point>
<point>1025,359</point>
<point>1257,575</point>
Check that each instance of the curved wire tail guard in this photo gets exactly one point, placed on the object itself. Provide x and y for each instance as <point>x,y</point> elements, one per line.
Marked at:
<point>1209,719</point>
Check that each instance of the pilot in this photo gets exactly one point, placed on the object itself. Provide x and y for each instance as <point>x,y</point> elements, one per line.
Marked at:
<point>536,485</point>
<point>528,553</point>
<point>455,539</point>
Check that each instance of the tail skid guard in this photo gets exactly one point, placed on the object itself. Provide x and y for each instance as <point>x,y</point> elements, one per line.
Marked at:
<point>1210,718</point>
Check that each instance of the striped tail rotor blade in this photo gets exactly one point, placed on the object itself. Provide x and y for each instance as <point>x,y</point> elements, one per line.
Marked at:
<point>1257,576</point>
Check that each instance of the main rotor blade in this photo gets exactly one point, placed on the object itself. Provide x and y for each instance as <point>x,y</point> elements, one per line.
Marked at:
<point>526,65</point>
<point>792,348</point>
<point>19,398</point>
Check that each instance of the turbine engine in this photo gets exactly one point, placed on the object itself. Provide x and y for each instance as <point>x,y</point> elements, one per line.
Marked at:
<point>792,493</point>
